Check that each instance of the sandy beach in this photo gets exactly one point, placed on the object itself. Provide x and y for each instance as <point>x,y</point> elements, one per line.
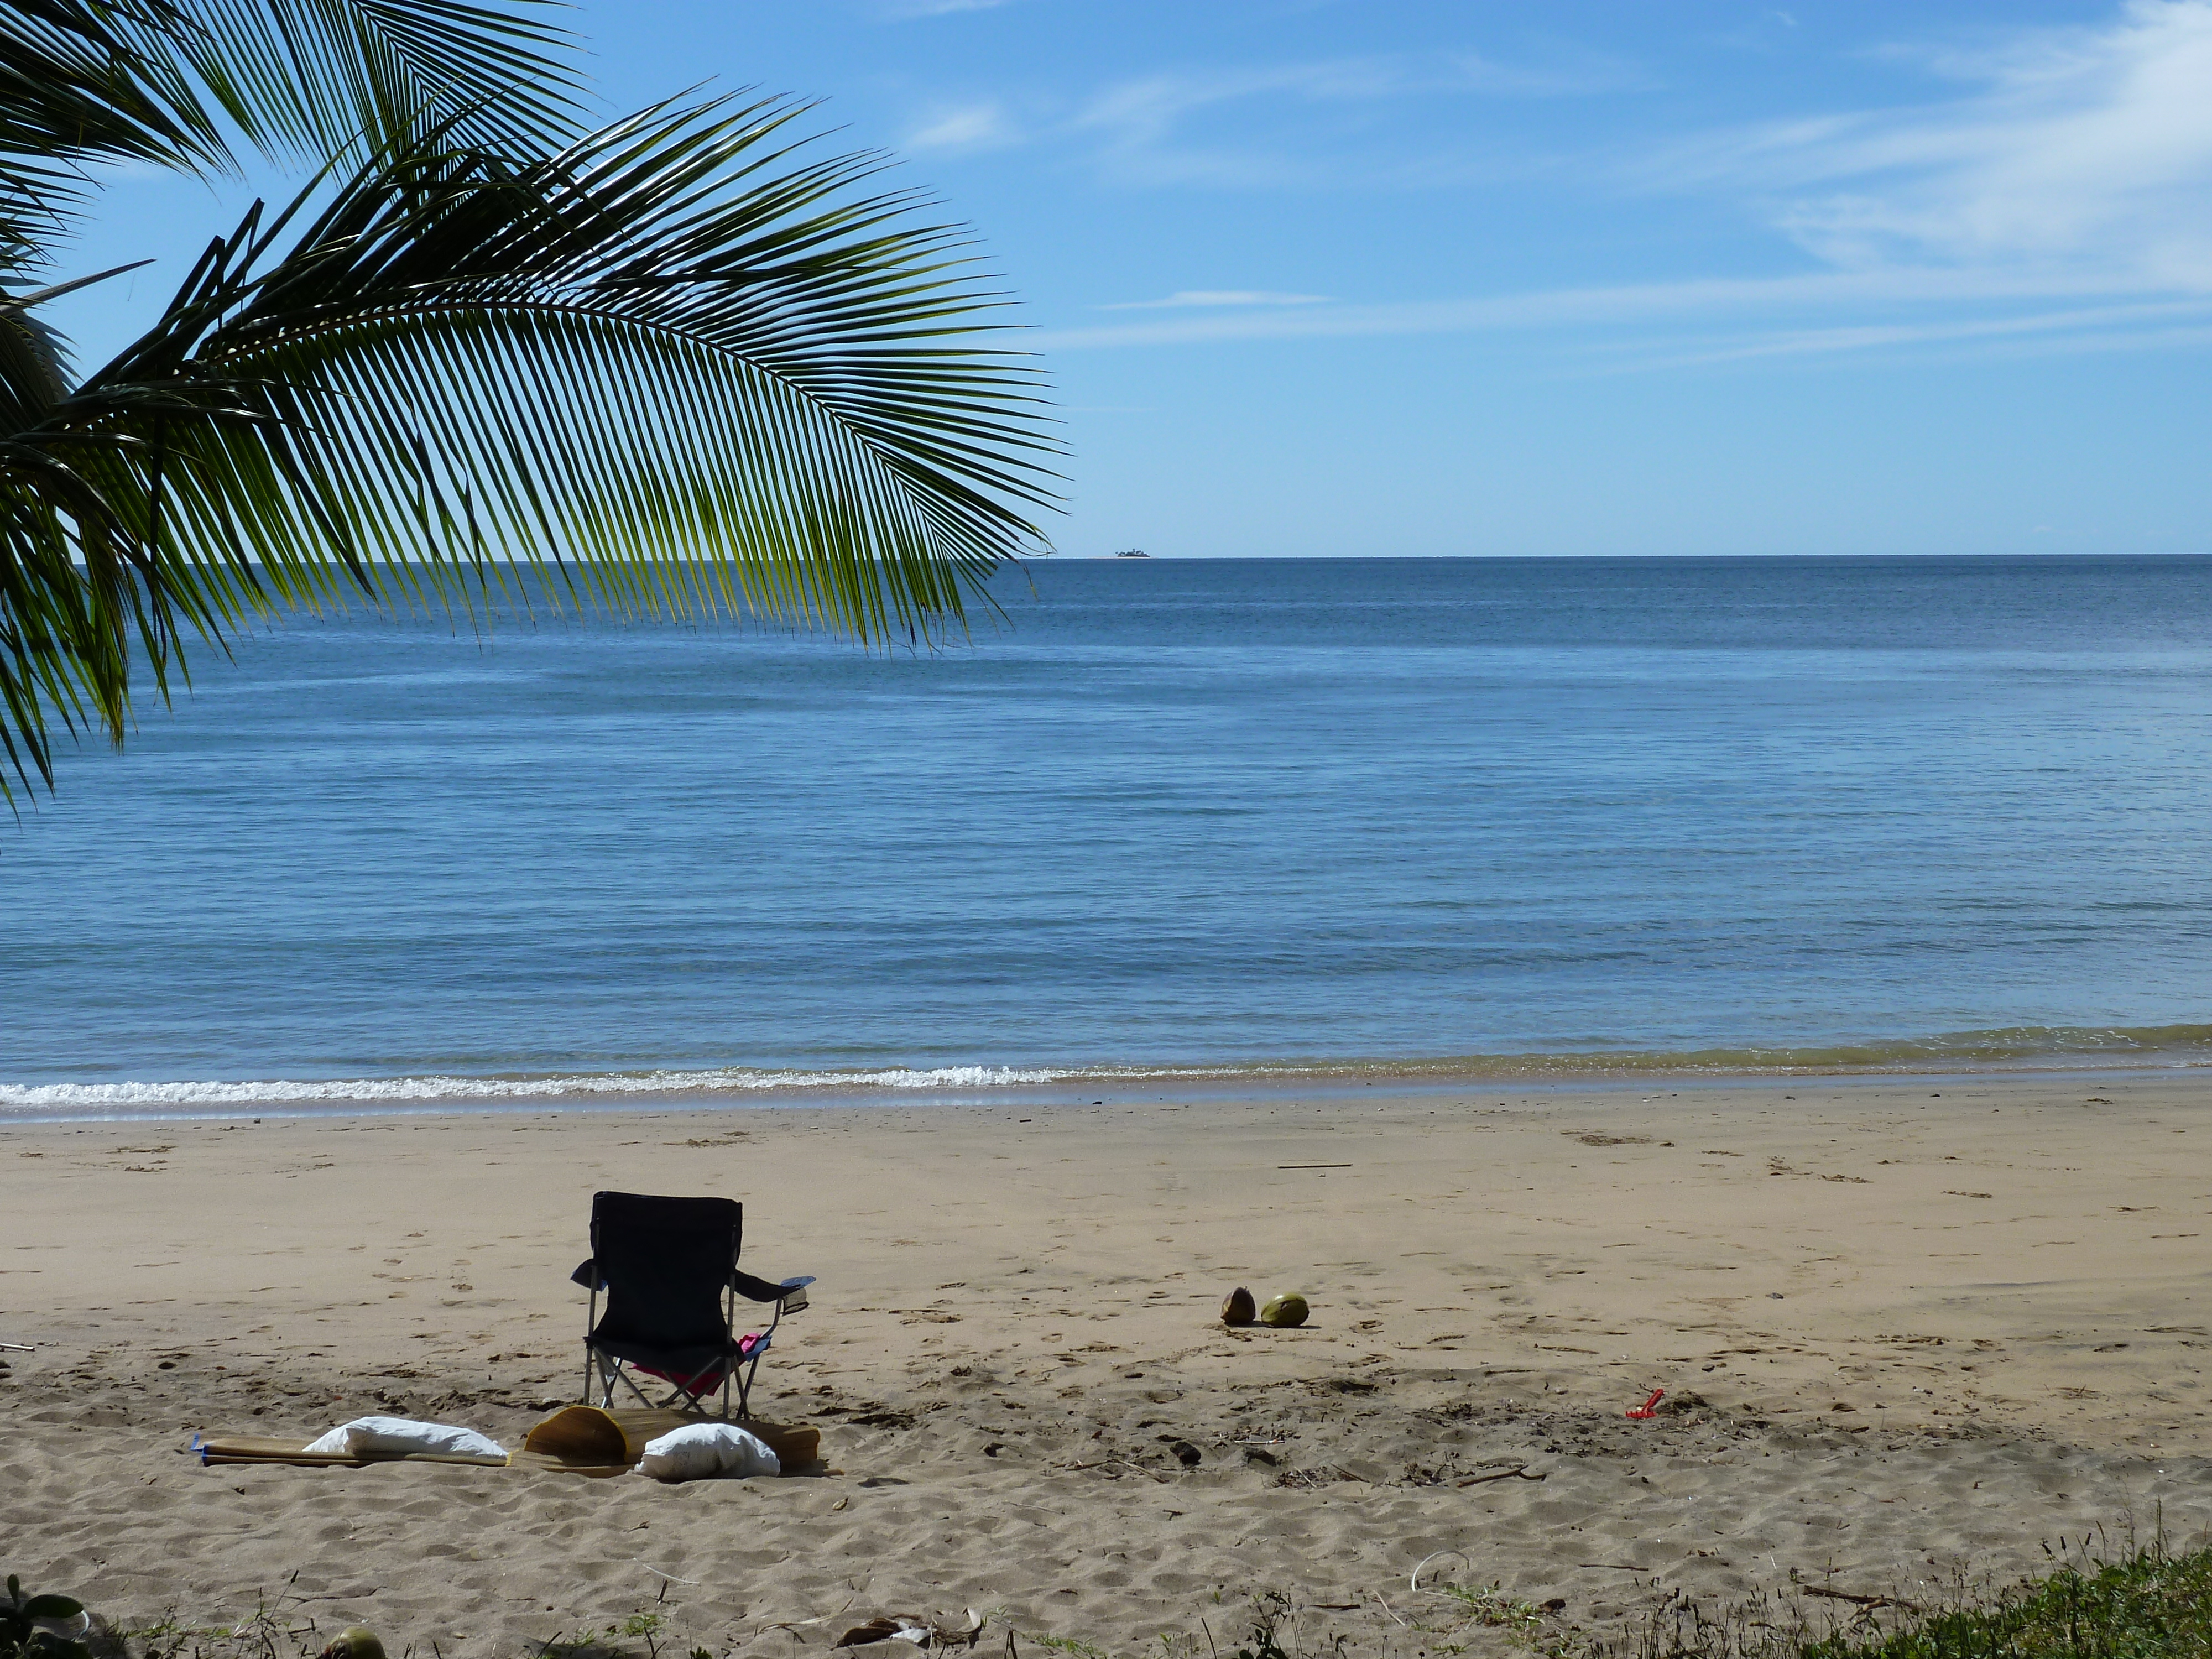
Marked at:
<point>1921,1326</point>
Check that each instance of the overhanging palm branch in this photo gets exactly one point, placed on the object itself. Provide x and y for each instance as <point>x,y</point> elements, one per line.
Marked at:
<point>76,89</point>
<point>675,363</point>
<point>340,78</point>
<point>87,81</point>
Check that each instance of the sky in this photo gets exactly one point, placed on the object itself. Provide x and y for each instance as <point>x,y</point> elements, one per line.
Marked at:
<point>1338,277</point>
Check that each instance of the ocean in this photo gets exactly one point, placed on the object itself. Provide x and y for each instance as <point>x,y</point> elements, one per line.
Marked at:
<point>1245,820</point>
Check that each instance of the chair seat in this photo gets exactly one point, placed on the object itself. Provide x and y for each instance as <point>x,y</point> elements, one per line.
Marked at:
<point>694,1384</point>
<point>662,1358</point>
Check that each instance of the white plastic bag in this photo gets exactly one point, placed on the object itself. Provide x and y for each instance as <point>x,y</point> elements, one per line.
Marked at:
<point>366,1436</point>
<point>700,1451</point>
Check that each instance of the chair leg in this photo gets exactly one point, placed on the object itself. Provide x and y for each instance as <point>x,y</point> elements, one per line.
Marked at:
<point>730,1324</point>
<point>631,1382</point>
<point>751,1368</point>
<point>590,1324</point>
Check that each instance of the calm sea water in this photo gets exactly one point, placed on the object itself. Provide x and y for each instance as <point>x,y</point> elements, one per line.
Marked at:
<point>1187,814</point>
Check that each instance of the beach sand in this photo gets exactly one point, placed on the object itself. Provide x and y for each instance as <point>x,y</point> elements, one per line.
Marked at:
<point>1925,1327</point>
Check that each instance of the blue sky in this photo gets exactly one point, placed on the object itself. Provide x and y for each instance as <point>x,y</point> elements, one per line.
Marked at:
<point>1642,278</point>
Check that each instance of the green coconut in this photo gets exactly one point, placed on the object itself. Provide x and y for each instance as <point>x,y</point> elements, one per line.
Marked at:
<point>1237,1307</point>
<point>354,1641</point>
<point>1285,1309</point>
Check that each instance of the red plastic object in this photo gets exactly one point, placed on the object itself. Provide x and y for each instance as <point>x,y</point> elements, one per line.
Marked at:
<point>1649,1407</point>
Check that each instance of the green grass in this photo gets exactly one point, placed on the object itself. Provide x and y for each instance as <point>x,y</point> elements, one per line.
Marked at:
<point>1070,1646</point>
<point>2147,1604</point>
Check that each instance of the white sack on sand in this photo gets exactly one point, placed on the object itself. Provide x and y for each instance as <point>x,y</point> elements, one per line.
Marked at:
<point>367,1434</point>
<point>698,1451</point>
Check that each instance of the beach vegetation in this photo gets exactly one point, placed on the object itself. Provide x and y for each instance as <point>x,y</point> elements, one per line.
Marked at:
<point>1274,1619</point>
<point>2144,1603</point>
<point>26,1626</point>
<point>1490,1608</point>
<point>1074,1647</point>
<point>493,356</point>
<point>272,1630</point>
<point>647,1627</point>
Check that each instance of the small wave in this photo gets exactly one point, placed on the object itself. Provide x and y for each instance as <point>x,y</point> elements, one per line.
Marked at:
<point>282,1091</point>
<point>2005,1048</point>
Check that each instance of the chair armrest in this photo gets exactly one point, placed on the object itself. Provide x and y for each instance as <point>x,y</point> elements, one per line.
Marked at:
<point>790,1296</point>
<point>588,1274</point>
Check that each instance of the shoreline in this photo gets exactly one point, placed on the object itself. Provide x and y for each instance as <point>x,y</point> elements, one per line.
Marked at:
<point>457,1096</point>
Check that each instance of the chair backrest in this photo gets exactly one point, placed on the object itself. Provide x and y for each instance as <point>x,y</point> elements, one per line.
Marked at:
<point>665,1262</point>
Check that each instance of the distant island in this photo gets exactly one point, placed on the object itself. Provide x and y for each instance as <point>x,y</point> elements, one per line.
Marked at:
<point>1132,553</point>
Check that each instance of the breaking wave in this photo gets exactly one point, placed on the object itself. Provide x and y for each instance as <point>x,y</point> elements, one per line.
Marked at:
<point>285,1091</point>
<point>2010,1048</point>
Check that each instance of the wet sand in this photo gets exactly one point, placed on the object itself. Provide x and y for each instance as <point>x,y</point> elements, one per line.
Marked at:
<point>1920,1326</point>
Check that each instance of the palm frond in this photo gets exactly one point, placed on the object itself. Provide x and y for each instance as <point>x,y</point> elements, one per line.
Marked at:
<point>341,77</point>
<point>84,81</point>
<point>683,364</point>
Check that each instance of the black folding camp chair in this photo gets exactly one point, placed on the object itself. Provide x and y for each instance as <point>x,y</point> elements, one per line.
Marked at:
<point>668,1266</point>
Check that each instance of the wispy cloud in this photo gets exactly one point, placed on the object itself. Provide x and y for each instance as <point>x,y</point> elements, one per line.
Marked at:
<point>1218,296</point>
<point>2095,328</point>
<point>1747,299</point>
<point>1640,326</point>
<point>966,127</point>
<point>905,8</point>
<point>1147,108</point>
<point>2057,201</point>
<point>1154,129</point>
<point>1138,126</point>
<point>1253,125</point>
<point>2075,147</point>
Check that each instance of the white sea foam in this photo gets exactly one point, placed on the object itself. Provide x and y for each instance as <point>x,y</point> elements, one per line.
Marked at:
<point>281,1091</point>
<point>2000,1049</point>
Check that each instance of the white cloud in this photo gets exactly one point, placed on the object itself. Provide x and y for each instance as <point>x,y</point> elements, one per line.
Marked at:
<point>905,8</point>
<point>1152,129</point>
<point>1470,72</point>
<point>968,127</point>
<point>2063,201</point>
<point>1760,310</point>
<point>1147,108</point>
<point>2098,327</point>
<point>1137,117</point>
<point>1141,124</point>
<point>2082,147</point>
<point>1218,296</point>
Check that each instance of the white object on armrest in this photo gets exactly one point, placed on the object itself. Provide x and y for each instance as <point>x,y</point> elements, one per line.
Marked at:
<point>367,1436</point>
<point>698,1451</point>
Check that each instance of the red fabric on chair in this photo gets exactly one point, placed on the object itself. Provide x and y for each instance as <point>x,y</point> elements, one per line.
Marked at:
<point>699,1383</point>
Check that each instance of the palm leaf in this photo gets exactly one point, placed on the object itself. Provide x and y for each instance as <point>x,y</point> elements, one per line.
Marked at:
<point>77,83</point>
<point>681,364</point>
<point>325,77</point>
<point>84,81</point>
